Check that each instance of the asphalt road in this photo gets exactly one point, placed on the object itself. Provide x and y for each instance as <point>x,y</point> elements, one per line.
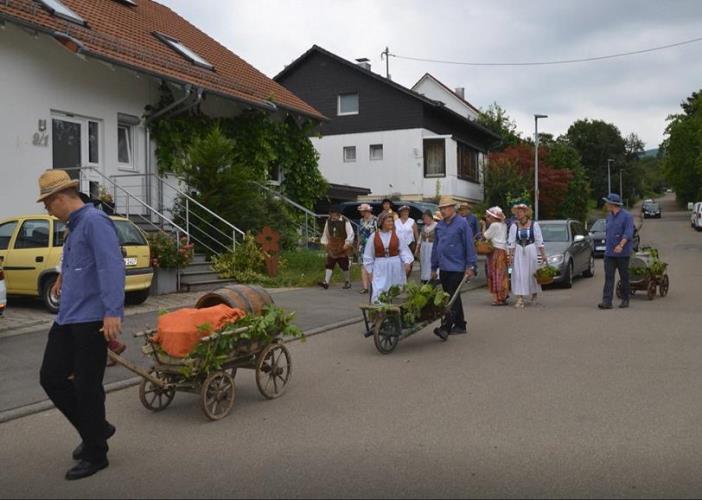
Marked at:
<point>558,400</point>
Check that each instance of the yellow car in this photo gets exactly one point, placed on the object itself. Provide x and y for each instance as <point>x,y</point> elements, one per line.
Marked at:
<point>31,246</point>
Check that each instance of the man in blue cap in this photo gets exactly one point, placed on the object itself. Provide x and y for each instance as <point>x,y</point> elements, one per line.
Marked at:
<point>619,237</point>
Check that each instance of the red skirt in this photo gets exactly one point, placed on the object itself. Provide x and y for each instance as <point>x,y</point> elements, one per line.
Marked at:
<point>498,277</point>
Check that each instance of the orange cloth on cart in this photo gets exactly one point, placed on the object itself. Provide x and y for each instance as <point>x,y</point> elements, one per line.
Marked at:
<point>178,331</point>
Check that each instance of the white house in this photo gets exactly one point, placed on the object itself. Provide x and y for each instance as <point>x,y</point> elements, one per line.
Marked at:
<point>77,75</point>
<point>386,137</point>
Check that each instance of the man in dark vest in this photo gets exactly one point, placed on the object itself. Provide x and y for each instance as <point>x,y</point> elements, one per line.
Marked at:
<point>338,239</point>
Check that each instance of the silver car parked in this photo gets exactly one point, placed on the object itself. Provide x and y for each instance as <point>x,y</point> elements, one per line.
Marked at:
<point>569,249</point>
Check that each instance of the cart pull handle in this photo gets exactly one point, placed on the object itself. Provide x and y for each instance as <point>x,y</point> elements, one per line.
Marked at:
<point>457,292</point>
<point>133,368</point>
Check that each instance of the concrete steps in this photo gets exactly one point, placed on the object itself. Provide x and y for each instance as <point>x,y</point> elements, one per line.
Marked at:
<point>199,276</point>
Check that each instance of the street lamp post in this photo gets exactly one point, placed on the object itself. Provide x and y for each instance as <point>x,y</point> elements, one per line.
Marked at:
<point>536,165</point>
<point>621,189</point>
<point>609,175</point>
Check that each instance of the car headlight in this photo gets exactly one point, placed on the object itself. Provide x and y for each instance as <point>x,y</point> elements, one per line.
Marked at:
<point>555,259</point>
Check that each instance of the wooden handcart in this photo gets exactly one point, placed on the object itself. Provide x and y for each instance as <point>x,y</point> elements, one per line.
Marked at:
<point>642,278</point>
<point>385,324</point>
<point>271,362</point>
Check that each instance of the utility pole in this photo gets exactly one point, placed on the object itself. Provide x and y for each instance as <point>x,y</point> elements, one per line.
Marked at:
<point>609,175</point>
<point>621,190</point>
<point>386,54</point>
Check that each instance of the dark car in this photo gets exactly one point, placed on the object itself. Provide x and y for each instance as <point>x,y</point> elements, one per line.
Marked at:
<point>597,233</point>
<point>569,249</point>
<point>651,209</point>
<point>349,209</point>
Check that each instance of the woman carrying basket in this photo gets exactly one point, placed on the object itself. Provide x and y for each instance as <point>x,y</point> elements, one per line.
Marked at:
<point>525,243</point>
<point>498,277</point>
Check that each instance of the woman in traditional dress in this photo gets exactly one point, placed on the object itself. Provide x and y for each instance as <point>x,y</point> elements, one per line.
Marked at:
<point>426,242</point>
<point>525,243</point>
<point>407,230</point>
<point>386,258</point>
<point>366,227</point>
<point>498,277</point>
<point>388,209</point>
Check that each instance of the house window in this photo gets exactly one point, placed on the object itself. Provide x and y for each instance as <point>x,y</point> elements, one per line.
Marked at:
<point>124,145</point>
<point>434,158</point>
<point>275,175</point>
<point>468,163</point>
<point>93,142</point>
<point>348,104</point>
<point>350,154</point>
<point>60,10</point>
<point>184,51</point>
<point>376,152</point>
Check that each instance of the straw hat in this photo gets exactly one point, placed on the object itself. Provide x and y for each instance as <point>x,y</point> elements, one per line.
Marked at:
<point>403,207</point>
<point>364,207</point>
<point>521,203</point>
<point>495,212</point>
<point>437,216</point>
<point>464,204</point>
<point>446,201</point>
<point>53,181</point>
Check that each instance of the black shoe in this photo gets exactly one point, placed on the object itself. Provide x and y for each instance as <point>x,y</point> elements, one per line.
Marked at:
<point>324,285</point>
<point>604,306</point>
<point>442,333</point>
<point>78,452</point>
<point>624,304</point>
<point>347,285</point>
<point>458,330</point>
<point>84,469</point>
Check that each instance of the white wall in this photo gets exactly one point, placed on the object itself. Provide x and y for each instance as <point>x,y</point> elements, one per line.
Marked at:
<point>39,77</point>
<point>401,171</point>
<point>434,91</point>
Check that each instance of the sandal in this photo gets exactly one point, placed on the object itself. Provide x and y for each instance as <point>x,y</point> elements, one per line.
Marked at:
<point>363,291</point>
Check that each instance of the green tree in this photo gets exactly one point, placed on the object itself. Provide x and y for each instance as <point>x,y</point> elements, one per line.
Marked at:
<point>682,150</point>
<point>496,119</point>
<point>597,141</point>
<point>564,157</point>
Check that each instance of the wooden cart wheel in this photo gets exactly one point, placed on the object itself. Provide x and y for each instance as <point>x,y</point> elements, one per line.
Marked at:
<point>386,333</point>
<point>651,291</point>
<point>664,286</point>
<point>153,397</point>
<point>217,395</point>
<point>273,371</point>
<point>619,289</point>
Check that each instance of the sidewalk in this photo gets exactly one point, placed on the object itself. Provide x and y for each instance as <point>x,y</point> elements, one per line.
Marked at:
<point>21,350</point>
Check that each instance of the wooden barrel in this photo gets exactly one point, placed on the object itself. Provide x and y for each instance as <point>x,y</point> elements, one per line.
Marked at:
<point>249,298</point>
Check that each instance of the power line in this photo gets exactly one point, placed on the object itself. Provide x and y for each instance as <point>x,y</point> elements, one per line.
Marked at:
<point>549,63</point>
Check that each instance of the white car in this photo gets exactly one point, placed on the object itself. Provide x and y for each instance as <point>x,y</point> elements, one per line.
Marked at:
<point>696,216</point>
<point>3,291</point>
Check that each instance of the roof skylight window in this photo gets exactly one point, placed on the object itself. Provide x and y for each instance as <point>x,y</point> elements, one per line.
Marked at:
<point>60,10</point>
<point>183,50</point>
<point>128,2</point>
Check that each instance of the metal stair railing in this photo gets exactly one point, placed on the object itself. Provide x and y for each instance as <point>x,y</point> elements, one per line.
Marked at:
<point>186,210</point>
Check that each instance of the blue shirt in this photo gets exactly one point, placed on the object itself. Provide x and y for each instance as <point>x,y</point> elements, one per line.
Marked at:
<point>618,227</point>
<point>453,248</point>
<point>93,269</point>
<point>473,223</point>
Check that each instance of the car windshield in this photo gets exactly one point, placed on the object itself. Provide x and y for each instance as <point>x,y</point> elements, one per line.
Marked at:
<point>555,233</point>
<point>598,226</point>
<point>651,206</point>
<point>128,234</point>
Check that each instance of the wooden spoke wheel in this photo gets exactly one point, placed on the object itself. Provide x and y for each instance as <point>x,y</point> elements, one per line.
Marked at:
<point>651,291</point>
<point>217,395</point>
<point>152,396</point>
<point>386,332</point>
<point>619,290</point>
<point>664,286</point>
<point>273,371</point>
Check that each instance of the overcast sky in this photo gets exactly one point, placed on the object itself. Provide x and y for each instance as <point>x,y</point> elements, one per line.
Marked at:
<point>636,93</point>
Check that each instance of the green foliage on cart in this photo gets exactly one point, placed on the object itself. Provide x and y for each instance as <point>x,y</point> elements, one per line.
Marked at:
<point>422,302</point>
<point>261,330</point>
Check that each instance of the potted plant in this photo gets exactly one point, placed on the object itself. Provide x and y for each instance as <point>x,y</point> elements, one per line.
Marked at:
<point>168,255</point>
<point>106,200</point>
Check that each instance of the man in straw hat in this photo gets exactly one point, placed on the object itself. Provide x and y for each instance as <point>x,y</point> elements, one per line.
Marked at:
<point>618,241</point>
<point>466,211</point>
<point>453,254</point>
<point>90,316</point>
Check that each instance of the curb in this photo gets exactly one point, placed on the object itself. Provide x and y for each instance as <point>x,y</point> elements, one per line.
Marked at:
<point>41,406</point>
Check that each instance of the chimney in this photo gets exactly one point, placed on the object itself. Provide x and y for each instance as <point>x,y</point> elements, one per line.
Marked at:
<point>364,63</point>
<point>461,92</point>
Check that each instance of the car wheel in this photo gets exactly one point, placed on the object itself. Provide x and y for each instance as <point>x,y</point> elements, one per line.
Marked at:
<point>51,301</point>
<point>138,297</point>
<point>568,278</point>
<point>590,271</point>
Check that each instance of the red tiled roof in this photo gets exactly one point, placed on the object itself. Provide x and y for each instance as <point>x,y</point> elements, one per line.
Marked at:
<point>123,34</point>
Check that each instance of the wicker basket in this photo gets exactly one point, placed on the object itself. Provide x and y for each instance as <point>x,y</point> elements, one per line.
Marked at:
<point>483,247</point>
<point>543,280</point>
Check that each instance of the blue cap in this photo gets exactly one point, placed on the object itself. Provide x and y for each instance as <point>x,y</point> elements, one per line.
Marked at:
<point>613,199</point>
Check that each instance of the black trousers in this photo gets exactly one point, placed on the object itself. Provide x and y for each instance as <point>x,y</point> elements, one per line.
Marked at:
<point>612,264</point>
<point>450,281</point>
<point>79,350</point>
